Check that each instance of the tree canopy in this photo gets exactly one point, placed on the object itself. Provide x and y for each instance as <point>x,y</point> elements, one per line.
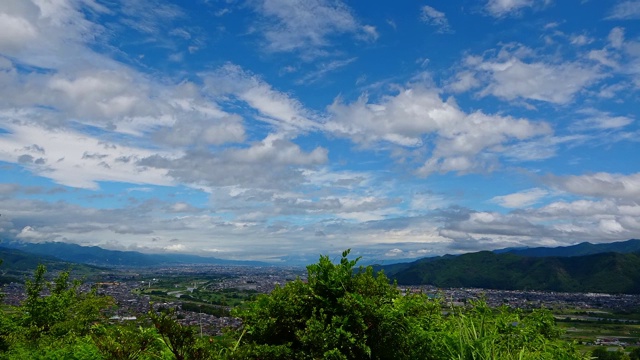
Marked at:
<point>340,312</point>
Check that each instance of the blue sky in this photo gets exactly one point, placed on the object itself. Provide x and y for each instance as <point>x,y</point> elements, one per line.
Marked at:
<point>273,129</point>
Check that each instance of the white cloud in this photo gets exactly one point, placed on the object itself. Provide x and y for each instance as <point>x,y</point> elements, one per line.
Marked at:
<point>149,16</point>
<point>610,226</point>
<point>543,147</point>
<point>557,83</point>
<point>101,95</point>
<point>275,151</point>
<point>198,131</point>
<point>516,72</point>
<point>581,40</point>
<point>459,140</point>
<point>74,159</point>
<point>435,18</point>
<point>604,57</point>
<point>463,81</point>
<point>626,10</point>
<point>555,224</point>
<point>371,32</point>
<point>598,120</point>
<point>35,30</point>
<point>324,69</point>
<point>520,199</point>
<point>501,8</point>
<point>394,252</point>
<point>307,25</point>
<point>602,185</point>
<point>30,234</point>
<point>175,248</point>
<point>16,30</point>
<point>120,101</point>
<point>275,107</point>
<point>273,163</point>
<point>616,36</point>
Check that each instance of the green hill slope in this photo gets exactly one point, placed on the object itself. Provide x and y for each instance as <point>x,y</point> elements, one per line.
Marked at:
<point>16,264</point>
<point>605,272</point>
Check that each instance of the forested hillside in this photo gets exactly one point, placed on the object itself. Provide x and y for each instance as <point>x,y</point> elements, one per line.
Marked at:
<point>605,272</point>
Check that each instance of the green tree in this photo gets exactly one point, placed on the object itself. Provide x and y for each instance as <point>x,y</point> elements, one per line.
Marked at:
<point>340,313</point>
<point>58,307</point>
<point>182,341</point>
<point>124,342</point>
<point>604,354</point>
<point>346,313</point>
<point>5,326</point>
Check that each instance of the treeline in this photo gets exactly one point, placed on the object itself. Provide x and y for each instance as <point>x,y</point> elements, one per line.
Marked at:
<point>340,312</point>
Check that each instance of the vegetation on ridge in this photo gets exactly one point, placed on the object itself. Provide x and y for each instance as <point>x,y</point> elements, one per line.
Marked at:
<point>605,272</point>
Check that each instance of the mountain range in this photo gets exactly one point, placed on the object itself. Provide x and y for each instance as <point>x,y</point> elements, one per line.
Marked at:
<point>585,267</point>
<point>94,255</point>
<point>16,264</point>
<point>581,249</point>
<point>607,268</point>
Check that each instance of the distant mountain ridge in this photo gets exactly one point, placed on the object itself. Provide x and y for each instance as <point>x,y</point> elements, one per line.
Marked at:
<point>581,249</point>
<point>94,255</point>
<point>16,264</point>
<point>607,268</point>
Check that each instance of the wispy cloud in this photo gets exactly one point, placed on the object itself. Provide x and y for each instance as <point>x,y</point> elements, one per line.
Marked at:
<point>436,19</point>
<point>307,26</point>
<point>324,69</point>
<point>625,10</point>
<point>521,199</point>
<point>501,8</point>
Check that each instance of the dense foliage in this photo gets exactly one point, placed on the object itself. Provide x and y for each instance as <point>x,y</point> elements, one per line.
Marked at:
<point>348,313</point>
<point>340,312</point>
<point>605,272</point>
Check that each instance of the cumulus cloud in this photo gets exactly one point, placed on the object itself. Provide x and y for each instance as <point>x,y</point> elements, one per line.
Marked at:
<point>556,224</point>
<point>35,31</point>
<point>463,81</point>
<point>29,234</point>
<point>80,118</point>
<point>556,83</point>
<point>461,142</point>
<point>272,164</point>
<point>517,73</point>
